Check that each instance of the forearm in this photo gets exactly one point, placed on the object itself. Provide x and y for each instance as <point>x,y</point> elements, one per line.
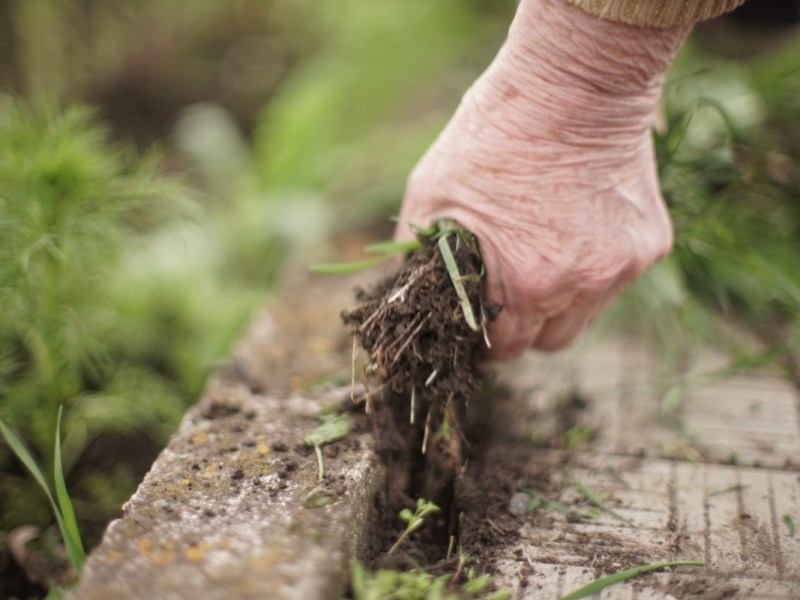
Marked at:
<point>656,13</point>
<point>574,80</point>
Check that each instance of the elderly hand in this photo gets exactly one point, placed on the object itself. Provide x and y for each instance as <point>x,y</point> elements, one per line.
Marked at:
<point>549,161</point>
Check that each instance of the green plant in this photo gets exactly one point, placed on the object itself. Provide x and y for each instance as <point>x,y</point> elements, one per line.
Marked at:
<point>539,502</point>
<point>592,497</point>
<point>597,586</point>
<point>417,584</point>
<point>414,520</point>
<point>62,510</point>
<point>333,428</point>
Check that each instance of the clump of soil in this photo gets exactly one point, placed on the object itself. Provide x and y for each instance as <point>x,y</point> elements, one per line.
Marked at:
<point>421,351</point>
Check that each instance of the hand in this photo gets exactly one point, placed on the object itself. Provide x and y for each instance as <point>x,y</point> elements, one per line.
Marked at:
<point>549,161</point>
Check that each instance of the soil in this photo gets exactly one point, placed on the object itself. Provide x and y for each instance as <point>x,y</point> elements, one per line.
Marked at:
<point>421,355</point>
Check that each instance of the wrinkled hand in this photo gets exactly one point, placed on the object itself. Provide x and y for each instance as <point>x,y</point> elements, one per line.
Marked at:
<point>549,161</point>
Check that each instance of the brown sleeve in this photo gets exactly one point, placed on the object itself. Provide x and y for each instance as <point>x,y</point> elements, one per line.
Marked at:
<point>656,13</point>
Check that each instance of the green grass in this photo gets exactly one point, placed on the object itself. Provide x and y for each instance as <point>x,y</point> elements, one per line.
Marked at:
<point>61,504</point>
<point>333,428</point>
<point>599,585</point>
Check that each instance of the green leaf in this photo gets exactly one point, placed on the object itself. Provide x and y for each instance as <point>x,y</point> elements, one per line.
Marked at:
<point>72,536</point>
<point>394,247</point>
<point>789,522</point>
<point>455,277</point>
<point>599,585</point>
<point>344,268</point>
<point>594,499</point>
<point>27,459</point>
<point>333,429</point>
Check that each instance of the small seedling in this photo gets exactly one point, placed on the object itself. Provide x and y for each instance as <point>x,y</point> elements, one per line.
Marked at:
<point>333,429</point>
<point>728,490</point>
<point>592,497</point>
<point>417,584</point>
<point>595,587</point>
<point>539,502</point>
<point>62,510</point>
<point>789,522</point>
<point>578,435</point>
<point>414,520</point>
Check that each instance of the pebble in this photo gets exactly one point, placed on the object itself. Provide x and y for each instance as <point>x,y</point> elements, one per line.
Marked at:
<point>518,505</point>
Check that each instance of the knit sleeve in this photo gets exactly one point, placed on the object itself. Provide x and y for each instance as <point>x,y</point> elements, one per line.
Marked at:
<point>656,13</point>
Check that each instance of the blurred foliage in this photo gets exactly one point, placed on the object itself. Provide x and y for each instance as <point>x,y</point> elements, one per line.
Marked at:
<point>729,171</point>
<point>68,205</point>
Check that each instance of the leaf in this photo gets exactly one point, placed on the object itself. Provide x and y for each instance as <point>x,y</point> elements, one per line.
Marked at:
<point>594,499</point>
<point>334,428</point>
<point>455,277</point>
<point>394,247</point>
<point>789,522</point>
<point>24,455</point>
<point>72,536</point>
<point>599,585</point>
<point>344,268</point>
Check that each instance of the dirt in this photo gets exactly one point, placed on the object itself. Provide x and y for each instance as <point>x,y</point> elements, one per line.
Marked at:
<point>421,352</point>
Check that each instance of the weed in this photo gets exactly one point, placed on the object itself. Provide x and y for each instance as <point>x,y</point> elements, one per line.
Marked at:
<point>577,436</point>
<point>592,497</point>
<point>539,502</point>
<point>62,509</point>
<point>414,520</point>
<point>599,585</point>
<point>790,526</point>
<point>333,429</point>
<point>417,584</point>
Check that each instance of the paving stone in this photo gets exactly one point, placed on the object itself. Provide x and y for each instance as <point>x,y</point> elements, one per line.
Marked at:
<point>728,515</point>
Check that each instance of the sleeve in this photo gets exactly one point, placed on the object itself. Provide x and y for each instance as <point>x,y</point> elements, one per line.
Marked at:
<point>656,13</point>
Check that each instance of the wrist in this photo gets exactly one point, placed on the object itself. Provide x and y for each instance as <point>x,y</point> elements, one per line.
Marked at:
<point>579,72</point>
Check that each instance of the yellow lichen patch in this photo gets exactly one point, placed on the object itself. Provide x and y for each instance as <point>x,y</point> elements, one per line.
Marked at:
<point>211,470</point>
<point>185,482</point>
<point>197,552</point>
<point>164,556</point>
<point>262,449</point>
<point>200,438</point>
<point>114,556</point>
<point>144,546</point>
<point>264,561</point>
<point>261,437</point>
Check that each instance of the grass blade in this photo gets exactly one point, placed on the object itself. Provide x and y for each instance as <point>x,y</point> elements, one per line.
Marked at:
<point>599,585</point>
<point>26,458</point>
<point>789,522</point>
<point>71,534</point>
<point>590,495</point>
<point>455,277</point>
<point>344,268</point>
<point>394,247</point>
